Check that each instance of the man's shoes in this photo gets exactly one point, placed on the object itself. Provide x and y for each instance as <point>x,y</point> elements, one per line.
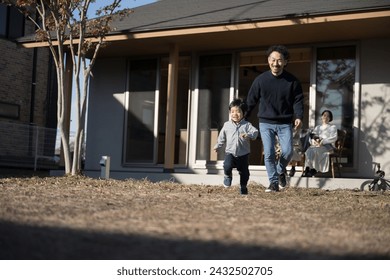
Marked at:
<point>292,172</point>
<point>244,190</point>
<point>227,181</point>
<point>273,187</point>
<point>282,181</point>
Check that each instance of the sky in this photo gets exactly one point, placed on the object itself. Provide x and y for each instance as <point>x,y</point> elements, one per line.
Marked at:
<point>124,4</point>
<point>98,4</point>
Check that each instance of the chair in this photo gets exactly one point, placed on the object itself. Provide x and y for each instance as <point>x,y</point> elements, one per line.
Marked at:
<point>297,147</point>
<point>300,144</point>
<point>335,155</point>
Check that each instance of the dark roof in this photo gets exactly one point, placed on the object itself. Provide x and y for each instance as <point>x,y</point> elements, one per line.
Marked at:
<point>173,14</point>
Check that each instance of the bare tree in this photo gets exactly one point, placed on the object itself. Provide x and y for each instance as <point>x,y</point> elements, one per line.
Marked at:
<point>65,27</point>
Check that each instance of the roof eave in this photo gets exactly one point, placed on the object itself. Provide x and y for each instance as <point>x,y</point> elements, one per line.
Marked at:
<point>287,20</point>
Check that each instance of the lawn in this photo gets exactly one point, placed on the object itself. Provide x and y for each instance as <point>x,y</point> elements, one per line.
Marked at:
<point>84,218</point>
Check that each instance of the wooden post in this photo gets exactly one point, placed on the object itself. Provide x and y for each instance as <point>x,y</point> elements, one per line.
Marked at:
<point>170,131</point>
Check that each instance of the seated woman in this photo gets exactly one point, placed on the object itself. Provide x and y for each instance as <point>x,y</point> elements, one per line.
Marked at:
<point>321,143</point>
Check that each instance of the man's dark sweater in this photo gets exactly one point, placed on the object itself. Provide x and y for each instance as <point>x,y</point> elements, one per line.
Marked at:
<point>280,98</point>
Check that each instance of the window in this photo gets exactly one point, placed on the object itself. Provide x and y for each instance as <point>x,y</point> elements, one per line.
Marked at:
<point>140,144</point>
<point>8,110</point>
<point>214,96</point>
<point>335,79</point>
<point>147,107</point>
<point>3,20</point>
<point>11,22</point>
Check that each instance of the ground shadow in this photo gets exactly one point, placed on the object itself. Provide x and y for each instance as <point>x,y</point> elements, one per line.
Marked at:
<point>19,242</point>
<point>17,172</point>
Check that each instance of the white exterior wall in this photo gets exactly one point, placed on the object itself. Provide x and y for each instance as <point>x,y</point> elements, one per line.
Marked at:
<point>106,113</point>
<point>374,142</point>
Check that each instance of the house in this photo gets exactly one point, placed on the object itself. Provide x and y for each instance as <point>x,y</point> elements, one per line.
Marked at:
<point>161,88</point>
<point>28,96</point>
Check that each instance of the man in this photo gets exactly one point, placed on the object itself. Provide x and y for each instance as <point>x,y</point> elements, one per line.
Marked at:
<point>280,98</point>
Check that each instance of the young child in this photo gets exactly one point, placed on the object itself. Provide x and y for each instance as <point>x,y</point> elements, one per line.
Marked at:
<point>235,135</point>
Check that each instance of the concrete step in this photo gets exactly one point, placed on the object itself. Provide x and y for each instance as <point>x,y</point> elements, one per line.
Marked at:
<point>217,179</point>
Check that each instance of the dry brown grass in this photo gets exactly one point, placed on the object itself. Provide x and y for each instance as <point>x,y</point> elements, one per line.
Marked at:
<point>84,218</point>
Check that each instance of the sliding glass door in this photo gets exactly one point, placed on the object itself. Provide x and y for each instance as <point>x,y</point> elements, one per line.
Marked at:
<point>335,81</point>
<point>146,111</point>
<point>141,139</point>
<point>213,110</point>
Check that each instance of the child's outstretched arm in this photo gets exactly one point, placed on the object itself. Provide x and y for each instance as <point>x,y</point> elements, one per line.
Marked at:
<point>251,132</point>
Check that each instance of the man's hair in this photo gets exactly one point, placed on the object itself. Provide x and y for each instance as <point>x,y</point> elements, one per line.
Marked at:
<point>280,49</point>
<point>239,103</point>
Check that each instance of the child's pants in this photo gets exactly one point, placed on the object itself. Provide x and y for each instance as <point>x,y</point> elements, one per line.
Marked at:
<point>242,165</point>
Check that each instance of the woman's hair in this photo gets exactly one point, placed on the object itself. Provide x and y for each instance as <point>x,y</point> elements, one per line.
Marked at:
<point>329,113</point>
<point>239,103</point>
<point>280,49</point>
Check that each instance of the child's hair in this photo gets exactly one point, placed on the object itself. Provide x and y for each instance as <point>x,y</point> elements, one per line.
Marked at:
<point>240,104</point>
